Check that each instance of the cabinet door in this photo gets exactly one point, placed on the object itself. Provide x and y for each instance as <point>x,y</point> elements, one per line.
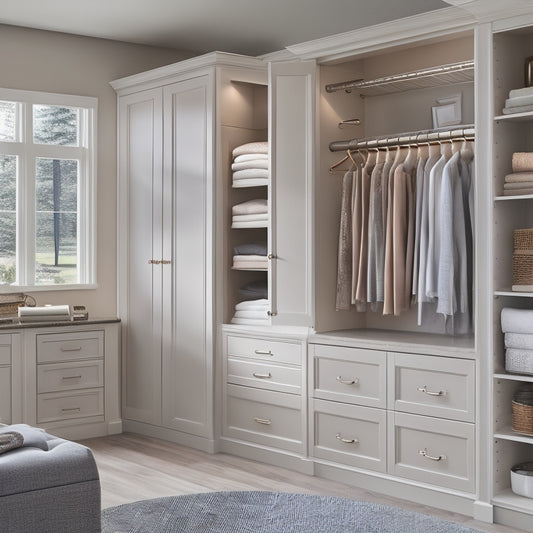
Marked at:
<point>5,395</point>
<point>140,223</point>
<point>292,107</point>
<point>188,243</point>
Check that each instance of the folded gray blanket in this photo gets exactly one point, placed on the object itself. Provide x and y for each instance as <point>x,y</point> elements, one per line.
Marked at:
<point>254,248</point>
<point>9,440</point>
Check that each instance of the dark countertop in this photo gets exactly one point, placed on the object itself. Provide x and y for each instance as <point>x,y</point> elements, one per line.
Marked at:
<point>16,324</point>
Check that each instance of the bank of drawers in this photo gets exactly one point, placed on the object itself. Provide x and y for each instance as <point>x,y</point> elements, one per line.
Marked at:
<point>408,415</point>
<point>70,376</point>
<point>263,391</point>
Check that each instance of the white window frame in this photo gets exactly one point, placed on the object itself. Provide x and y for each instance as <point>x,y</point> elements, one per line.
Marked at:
<point>27,153</point>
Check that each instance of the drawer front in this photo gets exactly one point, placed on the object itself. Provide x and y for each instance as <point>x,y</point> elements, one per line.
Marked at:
<point>69,376</point>
<point>264,376</point>
<point>264,350</point>
<point>349,375</point>
<point>5,395</point>
<point>435,451</point>
<point>68,405</point>
<point>349,434</point>
<point>432,386</point>
<point>55,347</point>
<point>5,352</point>
<point>267,418</point>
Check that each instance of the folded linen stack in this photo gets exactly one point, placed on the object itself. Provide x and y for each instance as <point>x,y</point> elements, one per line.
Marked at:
<point>521,180</point>
<point>47,313</point>
<point>250,214</point>
<point>252,312</point>
<point>255,290</point>
<point>517,326</point>
<point>519,101</point>
<point>250,165</point>
<point>250,256</point>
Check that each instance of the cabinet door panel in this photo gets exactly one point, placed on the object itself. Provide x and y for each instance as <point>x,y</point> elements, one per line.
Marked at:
<point>5,395</point>
<point>187,243</point>
<point>140,223</point>
<point>291,145</point>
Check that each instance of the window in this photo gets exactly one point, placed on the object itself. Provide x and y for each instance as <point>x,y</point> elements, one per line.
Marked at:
<point>47,190</point>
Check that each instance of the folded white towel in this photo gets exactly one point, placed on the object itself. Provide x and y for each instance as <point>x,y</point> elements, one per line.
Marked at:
<point>250,173</point>
<point>261,303</point>
<point>250,257</point>
<point>517,192</point>
<point>256,182</point>
<point>9,440</point>
<point>251,207</point>
<point>524,91</point>
<point>250,157</point>
<point>519,177</point>
<point>250,224</point>
<point>518,185</point>
<point>260,147</point>
<point>519,101</point>
<point>251,321</point>
<point>249,218</point>
<point>519,361</point>
<point>254,163</point>
<point>517,320</point>
<point>519,341</point>
<point>249,313</point>
<point>517,109</point>
<point>250,265</point>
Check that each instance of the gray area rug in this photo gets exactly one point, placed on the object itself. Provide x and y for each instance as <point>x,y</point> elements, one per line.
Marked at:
<point>267,512</point>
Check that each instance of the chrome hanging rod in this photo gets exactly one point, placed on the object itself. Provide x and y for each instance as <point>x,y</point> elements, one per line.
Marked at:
<point>443,71</point>
<point>415,137</point>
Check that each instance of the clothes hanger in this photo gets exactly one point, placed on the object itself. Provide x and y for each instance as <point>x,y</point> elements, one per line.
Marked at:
<point>348,157</point>
<point>467,150</point>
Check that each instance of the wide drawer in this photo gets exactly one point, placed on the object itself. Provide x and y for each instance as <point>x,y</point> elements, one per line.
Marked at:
<point>264,349</point>
<point>67,405</point>
<point>55,347</point>
<point>55,377</point>
<point>436,451</point>
<point>432,386</point>
<point>264,375</point>
<point>263,417</point>
<point>349,434</point>
<point>349,375</point>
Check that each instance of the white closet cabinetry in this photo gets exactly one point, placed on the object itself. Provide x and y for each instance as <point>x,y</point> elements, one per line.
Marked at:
<point>10,368</point>
<point>168,139</point>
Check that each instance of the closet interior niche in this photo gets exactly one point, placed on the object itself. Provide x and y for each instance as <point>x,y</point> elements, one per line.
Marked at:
<point>387,110</point>
<point>244,119</point>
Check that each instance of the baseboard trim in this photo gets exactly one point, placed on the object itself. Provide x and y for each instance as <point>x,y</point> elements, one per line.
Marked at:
<point>483,511</point>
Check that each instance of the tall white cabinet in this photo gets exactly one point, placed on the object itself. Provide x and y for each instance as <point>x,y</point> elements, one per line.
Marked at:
<point>169,138</point>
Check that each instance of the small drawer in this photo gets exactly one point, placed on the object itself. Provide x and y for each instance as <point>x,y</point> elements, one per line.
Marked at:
<point>436,451</point>
<point>55,347</point>
<point>70,376</point>
<point>265,349</point>
<point>264,375</point>
<point>264,417</point>
<point>432,386</point>
<point>349,434</point>
<point>68,405</point>
<point>5,353</point>
<point>349,375</point>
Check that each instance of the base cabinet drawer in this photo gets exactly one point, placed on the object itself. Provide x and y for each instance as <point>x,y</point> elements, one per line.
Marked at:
<point>264,417</point>
<point>264,349</point>
<point>56,347</point>
<point>435,451</point>
<point>69,405</point>
<point>434,386</point>
<point>349,434</point>
<point>70,376</point>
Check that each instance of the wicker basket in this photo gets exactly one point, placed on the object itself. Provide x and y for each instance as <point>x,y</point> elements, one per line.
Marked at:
<point>523,258</point>
<point>10,303</point>
<point>522,406</point>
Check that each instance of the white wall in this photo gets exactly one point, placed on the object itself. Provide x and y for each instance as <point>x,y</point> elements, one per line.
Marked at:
<point>54,62</point>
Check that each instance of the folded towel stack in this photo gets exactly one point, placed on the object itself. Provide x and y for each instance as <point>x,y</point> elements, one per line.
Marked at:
<point>517,326</point>
<point>521,180</point>
<point>519,101</point>
<point>252,312</point>
<point>250,165</point>
<point>255,290</point>
<point>250,214</point>
<point>250,256</point>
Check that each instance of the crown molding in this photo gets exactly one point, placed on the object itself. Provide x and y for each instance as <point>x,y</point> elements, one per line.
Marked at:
<point>394,33</point>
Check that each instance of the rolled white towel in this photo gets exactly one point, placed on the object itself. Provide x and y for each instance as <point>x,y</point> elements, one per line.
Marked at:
<point>519,341</point>
<point>517,320</point>
<point>47,310</point>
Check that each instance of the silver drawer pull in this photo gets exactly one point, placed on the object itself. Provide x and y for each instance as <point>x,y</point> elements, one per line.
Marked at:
<point>346,441</point>
<point>73,349</point>
<point>71,410</point>
<point>262,376</point>
<point>263,352</point>
<point>264,421</point>
<point>424,453</point>
<point>71,377</point>
<point>431,393</point>
<point>347,381</point>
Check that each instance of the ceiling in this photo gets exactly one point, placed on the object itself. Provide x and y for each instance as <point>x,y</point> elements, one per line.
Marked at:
<point>252,27</point>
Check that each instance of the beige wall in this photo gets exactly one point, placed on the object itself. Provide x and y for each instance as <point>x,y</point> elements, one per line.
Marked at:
<point>37,60</point>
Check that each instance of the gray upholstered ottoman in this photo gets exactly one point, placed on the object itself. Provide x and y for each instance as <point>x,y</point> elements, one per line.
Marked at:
<point>49,485</point>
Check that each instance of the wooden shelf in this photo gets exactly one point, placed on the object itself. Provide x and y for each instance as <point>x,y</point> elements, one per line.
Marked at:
<point>508,434</point>
<point>508,292</point>
<point>514,197</point>
<point>510,500</point>
<point>514,377</point>
<point>516,117</point>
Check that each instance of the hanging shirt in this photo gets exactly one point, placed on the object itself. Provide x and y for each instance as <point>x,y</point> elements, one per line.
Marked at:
<point>375,235</point>
<point>357,221</point>
<point>380,247</point>
<point>418,219</point>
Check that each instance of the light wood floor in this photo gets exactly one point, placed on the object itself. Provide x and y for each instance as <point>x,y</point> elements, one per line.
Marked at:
<point>134,467</point>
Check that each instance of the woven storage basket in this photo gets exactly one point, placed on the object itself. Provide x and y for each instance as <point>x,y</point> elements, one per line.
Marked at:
<point>522,406</point>
<point>10,303</point>
<point>523,257</point>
